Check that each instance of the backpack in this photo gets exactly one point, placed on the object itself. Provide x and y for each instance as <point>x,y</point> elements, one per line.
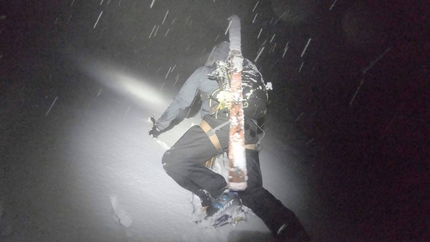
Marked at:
<point>254,90</point>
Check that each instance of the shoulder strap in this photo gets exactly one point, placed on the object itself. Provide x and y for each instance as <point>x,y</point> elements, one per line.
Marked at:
<point>211,133</point>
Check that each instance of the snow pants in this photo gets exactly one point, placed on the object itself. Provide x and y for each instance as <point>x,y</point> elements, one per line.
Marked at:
<point>268,208</point>
<point>185,163</point>
<point>185,160</point>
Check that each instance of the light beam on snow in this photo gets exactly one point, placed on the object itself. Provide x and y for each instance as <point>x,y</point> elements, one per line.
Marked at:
<point>133,87</point>
<point>138,89</point>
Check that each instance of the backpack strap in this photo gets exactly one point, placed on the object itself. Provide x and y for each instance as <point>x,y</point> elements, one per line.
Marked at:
<point>211,133</point>
<point>251,146</point>
<point>214,139</point>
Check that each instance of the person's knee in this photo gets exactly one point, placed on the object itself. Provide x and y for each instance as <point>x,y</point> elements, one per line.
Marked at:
<point>169,168</point>
<point>167,158</point>
<point>167,163</point>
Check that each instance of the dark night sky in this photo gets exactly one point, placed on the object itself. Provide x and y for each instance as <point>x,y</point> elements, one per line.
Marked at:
<point>368,148</point>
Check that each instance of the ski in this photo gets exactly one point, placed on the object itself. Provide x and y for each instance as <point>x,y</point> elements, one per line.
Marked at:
<point>236,151</point>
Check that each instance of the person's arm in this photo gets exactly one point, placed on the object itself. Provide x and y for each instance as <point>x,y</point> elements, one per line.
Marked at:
<point>183,99</point>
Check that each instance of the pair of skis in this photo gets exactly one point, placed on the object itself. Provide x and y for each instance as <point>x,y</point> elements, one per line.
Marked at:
<point>236,150</point>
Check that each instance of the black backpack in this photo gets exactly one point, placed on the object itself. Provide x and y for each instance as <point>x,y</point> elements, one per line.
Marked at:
<point>254,90</point>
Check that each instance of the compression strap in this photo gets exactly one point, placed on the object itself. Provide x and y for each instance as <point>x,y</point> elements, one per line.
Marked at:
<point>214,139</point>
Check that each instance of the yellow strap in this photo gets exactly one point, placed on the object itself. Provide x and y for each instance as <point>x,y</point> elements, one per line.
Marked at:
<point>210,163</point>
<point>213,138</point>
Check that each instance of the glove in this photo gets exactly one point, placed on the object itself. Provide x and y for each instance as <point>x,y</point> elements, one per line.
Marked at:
<point>154,132</point>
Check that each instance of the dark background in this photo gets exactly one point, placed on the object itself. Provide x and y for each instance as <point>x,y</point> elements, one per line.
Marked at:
<point>356,102</point>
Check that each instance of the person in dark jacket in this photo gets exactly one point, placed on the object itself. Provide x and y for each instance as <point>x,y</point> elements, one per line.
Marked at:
<point>185,160</point>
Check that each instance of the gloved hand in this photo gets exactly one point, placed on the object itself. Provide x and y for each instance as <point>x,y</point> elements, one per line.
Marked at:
<point>154,132</point>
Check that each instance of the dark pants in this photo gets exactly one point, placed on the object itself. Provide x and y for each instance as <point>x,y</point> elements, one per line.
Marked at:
<point>185,160</point>
<point>185,163</point>
<point>269,209</point>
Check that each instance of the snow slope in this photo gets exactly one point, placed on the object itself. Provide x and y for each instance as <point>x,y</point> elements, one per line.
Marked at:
<point>64,170</point>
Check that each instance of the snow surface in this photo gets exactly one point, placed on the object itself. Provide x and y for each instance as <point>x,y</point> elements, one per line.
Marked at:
<point>71,168</point>
<point>77,163</point>
<point>94,174</point>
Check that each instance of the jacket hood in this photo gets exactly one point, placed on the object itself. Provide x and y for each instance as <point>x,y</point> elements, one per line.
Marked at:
<point>219,52</point>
